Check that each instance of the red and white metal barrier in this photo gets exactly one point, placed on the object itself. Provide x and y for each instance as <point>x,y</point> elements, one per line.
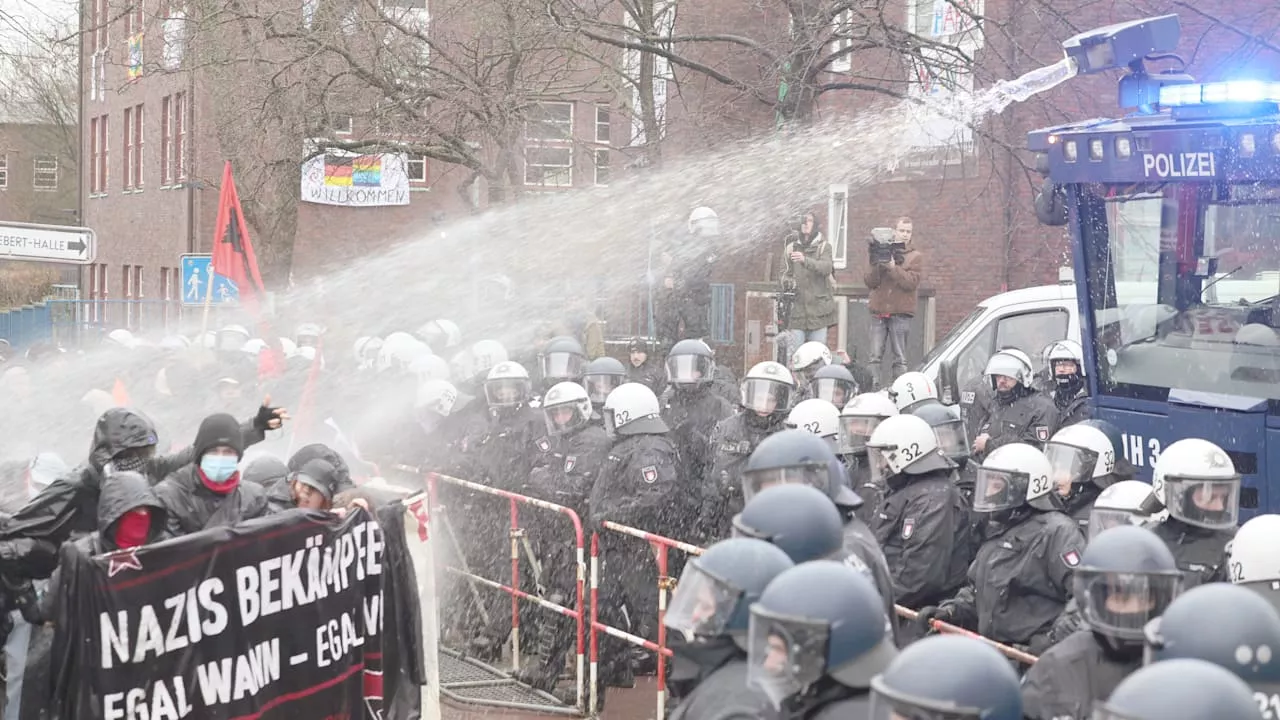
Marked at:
<point>578,613</point>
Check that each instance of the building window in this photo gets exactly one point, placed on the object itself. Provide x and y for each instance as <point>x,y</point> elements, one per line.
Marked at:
<point>127,176</point>
<point>603,133</point>
<point>842,29</point>
<point>602,166</point>
<point>178,123</point>
<point>166,141</point>
<point>133,19</point>
<point>722,313</point>
<point>138,123</point>
<point>164,284</point>
<point>548,166</point>
<point>4,171</point>
<point>98,155</point>
<point>838,224</point>
<point>45,176</point>
<point>342,124</point>
<point>102,22</point>
<point>417,168</point>
<point>137,281</point>
<point>550,122</point>
<point>93,156</point>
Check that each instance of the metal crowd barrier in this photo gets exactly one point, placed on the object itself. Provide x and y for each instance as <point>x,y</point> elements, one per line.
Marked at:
<point>517,537</point>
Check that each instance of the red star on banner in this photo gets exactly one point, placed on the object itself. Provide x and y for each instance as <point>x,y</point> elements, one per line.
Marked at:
<point>123,560</point>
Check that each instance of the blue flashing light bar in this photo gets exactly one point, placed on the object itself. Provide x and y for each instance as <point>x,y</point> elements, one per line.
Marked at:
<point>1218,93</point>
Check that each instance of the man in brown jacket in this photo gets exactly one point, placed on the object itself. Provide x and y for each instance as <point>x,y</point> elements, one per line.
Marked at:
<point>893,286</point>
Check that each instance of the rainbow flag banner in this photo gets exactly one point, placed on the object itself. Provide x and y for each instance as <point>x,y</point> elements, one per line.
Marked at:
<point>356,180</point>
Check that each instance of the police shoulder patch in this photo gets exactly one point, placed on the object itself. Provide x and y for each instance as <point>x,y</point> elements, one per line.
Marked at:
<point>569,462</point>
<point>649,473</point>
<point>1071,558</point>
<point>543,444</point>
<point>908,527</point>
<point>1042,433</point>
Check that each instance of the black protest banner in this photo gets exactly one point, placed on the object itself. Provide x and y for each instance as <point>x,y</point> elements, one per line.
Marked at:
<point>276,618</point>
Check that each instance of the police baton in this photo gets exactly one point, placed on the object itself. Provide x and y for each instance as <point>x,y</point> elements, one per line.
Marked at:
<point>1010,652</point>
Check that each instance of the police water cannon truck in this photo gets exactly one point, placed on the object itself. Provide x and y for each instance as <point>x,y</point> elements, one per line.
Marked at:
<point>1174,213</point>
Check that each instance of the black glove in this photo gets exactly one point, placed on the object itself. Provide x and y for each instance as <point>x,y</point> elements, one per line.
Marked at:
<point>27,602</point>
<point>927,614</point>
<point>265,415</point>
<point>26,557</point>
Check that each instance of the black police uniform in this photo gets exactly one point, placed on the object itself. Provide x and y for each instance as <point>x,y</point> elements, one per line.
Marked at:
<point>1020,416</point>
<point>976,401</point>
<point>919,527</point>
<point>1071,676</point>
<point>692,414</point>
<point>1201,553</point>
<point>723,695</point>
<point>861,552</point>
<point>1073,406</point>
<point>732,442</point>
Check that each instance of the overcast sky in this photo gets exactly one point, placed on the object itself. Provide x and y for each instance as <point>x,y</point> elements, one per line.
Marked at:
<point>23,20</point>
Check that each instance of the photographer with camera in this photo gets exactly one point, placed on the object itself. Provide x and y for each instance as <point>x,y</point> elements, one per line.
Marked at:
<point>893,277</point>
<point>806,272</point>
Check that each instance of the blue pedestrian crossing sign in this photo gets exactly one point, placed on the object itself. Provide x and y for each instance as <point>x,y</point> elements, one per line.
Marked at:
<point>197,273</point>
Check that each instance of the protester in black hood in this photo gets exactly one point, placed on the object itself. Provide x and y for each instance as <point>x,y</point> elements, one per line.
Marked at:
<point>123,440</point>
<point>321,451</point>
<point>129,515</point>
<point>311,487</point>
<point>209,492</point>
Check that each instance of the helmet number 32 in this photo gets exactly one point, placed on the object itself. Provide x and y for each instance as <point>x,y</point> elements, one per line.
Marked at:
<point>910,452</point>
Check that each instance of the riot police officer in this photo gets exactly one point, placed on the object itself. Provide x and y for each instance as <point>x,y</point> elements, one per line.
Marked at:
<point>562,359</point>
<point>564,476</point>
<point>1019,581</point>
<point>1242,636</point>
<point>833,383</point>
<point>1065,360</point>
<point>1126,577</point>
<point>603,375</point>
<point>977,398</point>
<point>1019,414</point>
<point>947,676</point>
<point>818,417</point>
<point>817,637</point>
<point>689,406</point>
<point>795,456</point>
<point>766,395</point>
<point>912,390</point>
<point>1253,557</point>
<point>1199,486</point>
<point>858,420</point>
<point>1083,463</point>
<point>806,361</point>
<point>799,519</point>
<point>1180,690</point>
<point>922,518</point>
<point>708,616</point>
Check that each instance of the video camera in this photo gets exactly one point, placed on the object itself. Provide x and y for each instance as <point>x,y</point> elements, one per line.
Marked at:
<point>882,248</point>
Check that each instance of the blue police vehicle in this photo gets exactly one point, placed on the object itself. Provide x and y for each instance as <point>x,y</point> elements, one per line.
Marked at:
<point>1174,212</point>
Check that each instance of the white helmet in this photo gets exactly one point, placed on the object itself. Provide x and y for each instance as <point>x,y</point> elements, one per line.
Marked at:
<point>430,367</point>
<point>911,388</point>
<point>810,354</point>
<point>818,417</point>
<point>440,334</point>
<point>288,347</point>
<point>1193,473</point>
<point>507,385</point>
<point>436,396</point>
<point>632,409</point>
<point>767,388</point>
<point>904,444</point>
<point>1011,363</point>
<point>1064,350</point>
<point>308,352</point>
<point>123,338</point>
<point>1012,476</point>
<point>1126,502</point>
<point>232,338</point>
<point>566,396</point>
<point>395,352</point>
<point>704,221</point>
<point>366,351</point>
<point>860,418</point>
<point>1080,454</point>
<point>174,342</point>
<point>485,355</point>
<point>1253,555</point>
<point>254,346</point>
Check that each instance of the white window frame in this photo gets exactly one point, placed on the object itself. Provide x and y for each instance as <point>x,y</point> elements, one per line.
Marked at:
<point>350,124</point>
<point>606,125</point>
<point>36,170</point>
<point>408,165</point>
<point>4,170</point>
<point>844,63</point>
<point>595,168</point>
<point>568,125</point>
<point>566,167</point>
<point>838,224</point>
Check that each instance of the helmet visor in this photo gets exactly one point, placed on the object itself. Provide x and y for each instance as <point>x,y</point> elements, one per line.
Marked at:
<point>784,655</point>
<point>1071,465</point>
<point>599,386</point>
<point>689,369</point>
<point>952,439</point>
<point>564,418</point>
<point>878,465</point>
<point>1120,605</point>
<point>753,481</point>
<point>855,431</point>
<point>996,490</point>
<point>887,706</point>
<point>562,366</point>
<point>765,396</point>
<point>1106,518</point>
<point>1204,503</point>
<point>701,605</point>
<point>506,392</point>
<point>834,390</point>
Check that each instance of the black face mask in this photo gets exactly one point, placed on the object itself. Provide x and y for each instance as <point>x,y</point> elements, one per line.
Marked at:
<point>1068,385</point>
<point>131,463</point>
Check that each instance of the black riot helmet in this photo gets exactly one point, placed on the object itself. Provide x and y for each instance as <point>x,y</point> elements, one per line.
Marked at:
<point>1126,577</point>
<point>1182,689</point>
<point>798,456</point>
<point>800,520</point>
<point>1228,625</point>
<point>945,420</point>
<point>833,383</point>
<point>603,375</point>
<point>948,677</point>
<point>562,360</point>
<point>717,588</point>
<point>690,364</point>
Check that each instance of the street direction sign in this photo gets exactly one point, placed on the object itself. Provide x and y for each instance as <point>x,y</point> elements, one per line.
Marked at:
<point>47,243</point>
<point>196,272</point>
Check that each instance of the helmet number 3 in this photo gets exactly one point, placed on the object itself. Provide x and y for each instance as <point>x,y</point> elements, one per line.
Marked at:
<point>1268,705</point>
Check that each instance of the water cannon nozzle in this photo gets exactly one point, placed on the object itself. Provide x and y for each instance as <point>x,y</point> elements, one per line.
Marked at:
<point>1123,45</point>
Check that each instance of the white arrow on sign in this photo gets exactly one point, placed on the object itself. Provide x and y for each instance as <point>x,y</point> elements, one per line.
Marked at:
<point>48,243</point>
